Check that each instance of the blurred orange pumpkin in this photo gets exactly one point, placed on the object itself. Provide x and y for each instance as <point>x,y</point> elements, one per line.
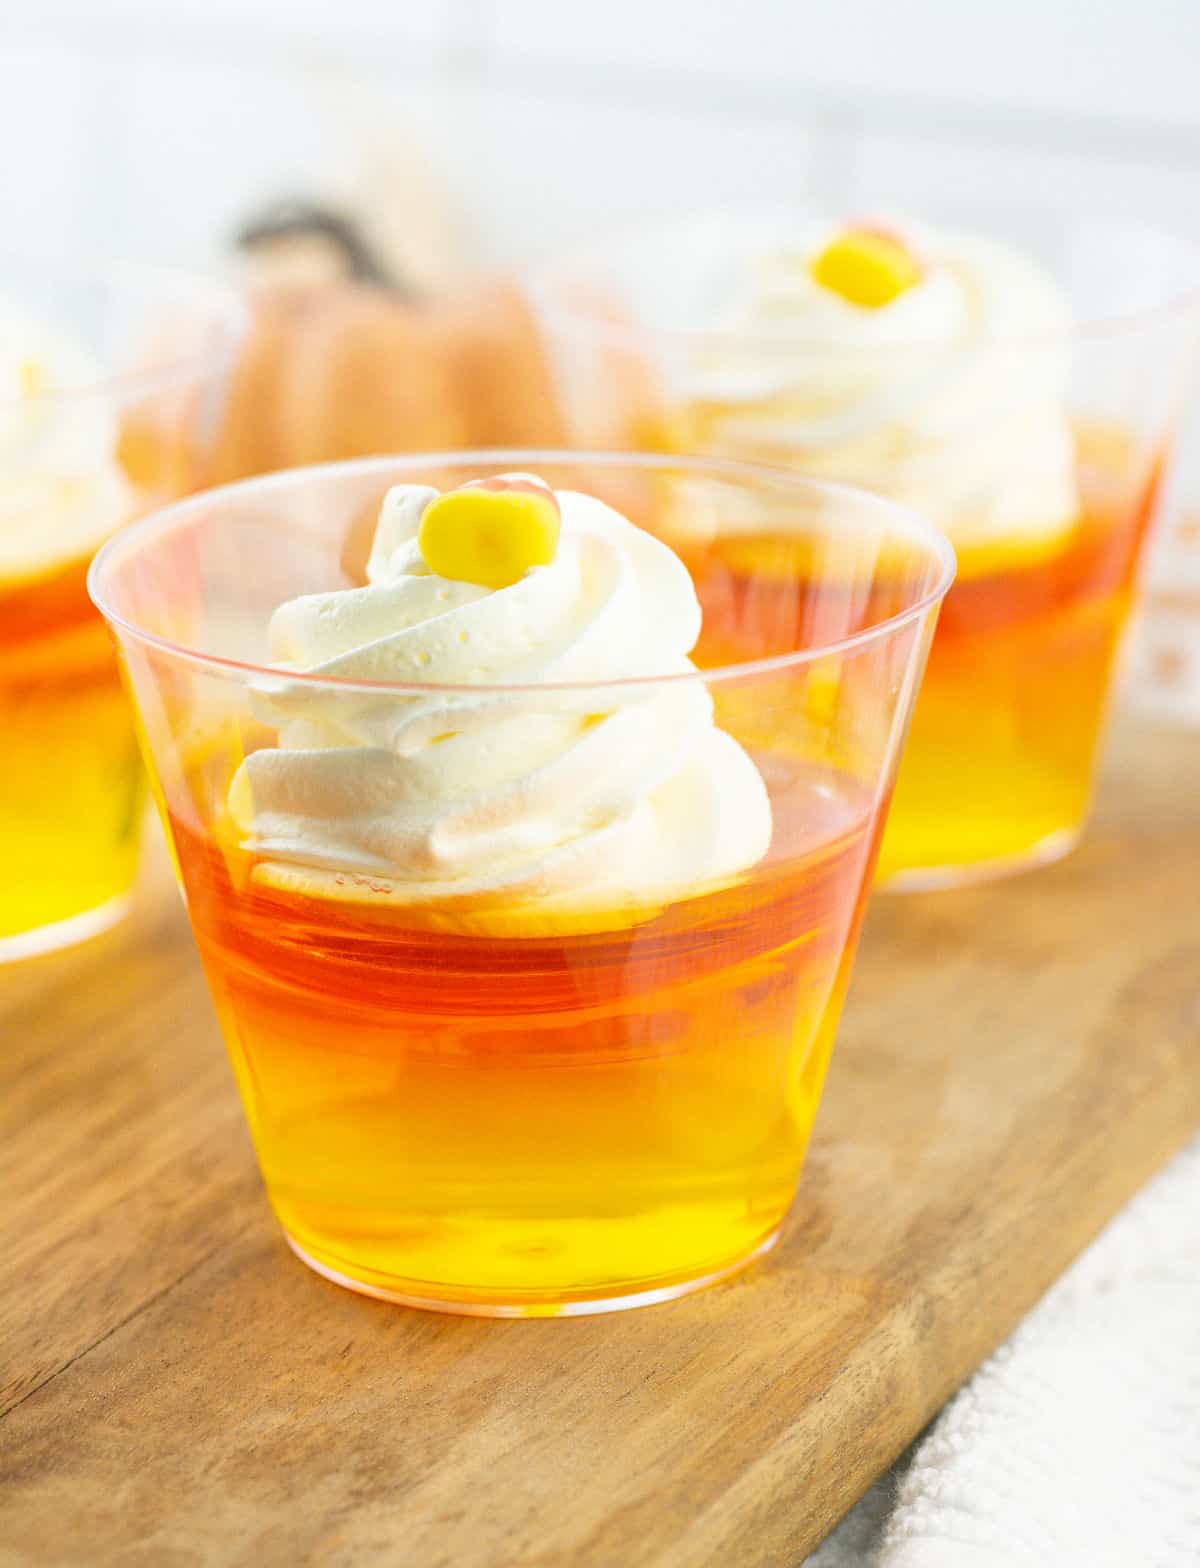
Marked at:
<point>353,369</point>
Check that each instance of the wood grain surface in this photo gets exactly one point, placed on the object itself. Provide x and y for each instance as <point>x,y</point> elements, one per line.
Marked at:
<point>179,1391</point>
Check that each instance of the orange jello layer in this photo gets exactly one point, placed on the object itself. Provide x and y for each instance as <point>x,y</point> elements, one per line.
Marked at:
<point>1000,755</point>
<point>542,1119</point>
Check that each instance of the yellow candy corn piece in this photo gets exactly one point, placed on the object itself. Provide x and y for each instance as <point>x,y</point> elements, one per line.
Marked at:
<point>491,531</point>
<point>866,267</point>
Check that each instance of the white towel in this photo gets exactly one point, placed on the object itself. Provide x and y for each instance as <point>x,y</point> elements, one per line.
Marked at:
<point>1078,1444</point>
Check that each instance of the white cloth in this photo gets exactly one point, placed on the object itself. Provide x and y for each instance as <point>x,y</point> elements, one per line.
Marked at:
<point>1078,1444</point>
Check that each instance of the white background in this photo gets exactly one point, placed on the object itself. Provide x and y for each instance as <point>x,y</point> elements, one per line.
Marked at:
<point>149,127</point>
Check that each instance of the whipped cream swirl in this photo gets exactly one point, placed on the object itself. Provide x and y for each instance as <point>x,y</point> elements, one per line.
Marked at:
<point>511,811</point>
<point>61,489</point>
<point>951,398</point>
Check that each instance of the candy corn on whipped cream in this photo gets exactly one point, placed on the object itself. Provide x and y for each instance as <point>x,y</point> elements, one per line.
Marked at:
<point>580,808</point>
<point>61,489</point>
<point>928,365</point>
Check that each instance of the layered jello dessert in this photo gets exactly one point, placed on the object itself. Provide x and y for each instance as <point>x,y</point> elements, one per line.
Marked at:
<point>957,373</point>
<point>527,934</point>
<point>70,787</point>
<point>82,450</point>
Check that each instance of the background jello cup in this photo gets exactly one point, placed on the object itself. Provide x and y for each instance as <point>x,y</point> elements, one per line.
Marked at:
<point>1017,380</point>
<point>529,986</point>
<point>109,393</point>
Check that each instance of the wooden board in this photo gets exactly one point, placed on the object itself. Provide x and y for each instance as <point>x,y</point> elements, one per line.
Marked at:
<point>1015,1061</point>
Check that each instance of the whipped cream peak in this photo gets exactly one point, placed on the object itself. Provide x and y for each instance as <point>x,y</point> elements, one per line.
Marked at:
<point>540,806</point>
<point>948,393</point>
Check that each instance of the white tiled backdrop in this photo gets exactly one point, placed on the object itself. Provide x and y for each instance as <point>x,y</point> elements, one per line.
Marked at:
<point>148,126</point>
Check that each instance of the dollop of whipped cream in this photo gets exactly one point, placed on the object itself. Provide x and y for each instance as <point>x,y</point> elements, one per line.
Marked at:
<point>513,812</point>
<point>61,489</point>
<point>951,397</point>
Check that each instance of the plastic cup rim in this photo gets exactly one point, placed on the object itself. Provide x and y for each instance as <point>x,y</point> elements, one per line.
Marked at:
<point>165,519</point>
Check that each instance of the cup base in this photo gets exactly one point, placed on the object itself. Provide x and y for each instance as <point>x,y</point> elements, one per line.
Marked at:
<point>937,879</point>
<point>64,933</point>
<point>584,1304</point>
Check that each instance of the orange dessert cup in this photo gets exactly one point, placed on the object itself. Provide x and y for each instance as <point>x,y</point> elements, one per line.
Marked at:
<point>529,989</point>
<point>1021,392</point>
<point>83,448</point>
<point>71,786</point>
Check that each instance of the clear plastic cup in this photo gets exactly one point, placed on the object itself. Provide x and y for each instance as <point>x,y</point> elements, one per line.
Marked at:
<point>1040,454</point>
<point>115,387</point>
<point>519,1069</point>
